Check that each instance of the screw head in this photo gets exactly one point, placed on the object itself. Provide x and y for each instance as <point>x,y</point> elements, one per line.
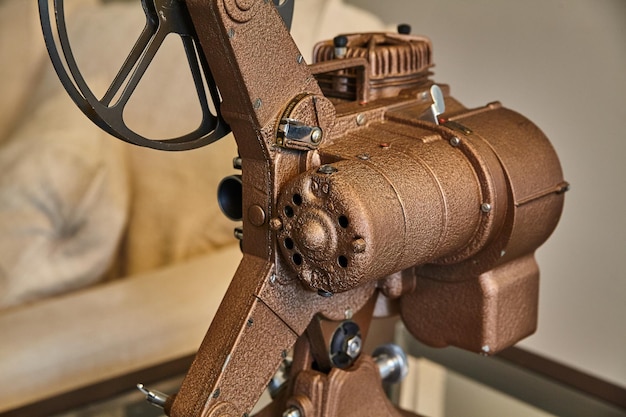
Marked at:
<point>316,135</point>
<point>361,119</point>
<point>326,169</point>
<point>485,207</point>
<point>455,141</point>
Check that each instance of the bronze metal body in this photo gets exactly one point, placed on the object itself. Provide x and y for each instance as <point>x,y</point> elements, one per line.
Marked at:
<point>361,196</point>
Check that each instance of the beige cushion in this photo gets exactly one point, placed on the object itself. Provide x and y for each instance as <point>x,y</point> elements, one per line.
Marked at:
<point>77,205</point>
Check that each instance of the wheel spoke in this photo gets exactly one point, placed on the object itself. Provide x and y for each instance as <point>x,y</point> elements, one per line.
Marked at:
<point>135,54</point>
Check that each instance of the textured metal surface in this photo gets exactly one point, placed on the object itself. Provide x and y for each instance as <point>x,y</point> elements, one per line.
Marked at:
<point>442,217</point>
<point>382,205</point>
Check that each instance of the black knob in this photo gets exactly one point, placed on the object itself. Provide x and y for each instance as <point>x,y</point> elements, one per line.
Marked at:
<point>340,41</point>
<point>404,29</point>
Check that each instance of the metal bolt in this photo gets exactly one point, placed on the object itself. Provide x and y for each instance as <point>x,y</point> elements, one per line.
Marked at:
<point>455,141</point>
<point>485,207</point>
<point>361,119</point>
<point>257,104</point>
<point>353,346</point>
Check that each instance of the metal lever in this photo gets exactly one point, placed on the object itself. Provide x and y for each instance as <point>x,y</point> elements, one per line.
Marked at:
<point>156,398</point>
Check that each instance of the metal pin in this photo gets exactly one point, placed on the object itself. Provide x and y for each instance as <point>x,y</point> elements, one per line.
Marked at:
<point>156,398</point>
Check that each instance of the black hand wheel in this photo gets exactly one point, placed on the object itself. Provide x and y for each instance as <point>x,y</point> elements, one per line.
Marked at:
<point>163,17</point>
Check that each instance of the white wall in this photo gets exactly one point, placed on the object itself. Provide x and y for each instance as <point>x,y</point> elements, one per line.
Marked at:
<point>563,65</point>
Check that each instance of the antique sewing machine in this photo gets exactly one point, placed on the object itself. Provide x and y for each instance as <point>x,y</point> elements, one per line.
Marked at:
<point>365,190</point>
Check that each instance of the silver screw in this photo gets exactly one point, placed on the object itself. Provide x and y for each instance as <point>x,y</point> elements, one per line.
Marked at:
<point>231,33</point>
<point>485,207</point>
<point>455,141</point>
<point>257,104</point>
<point>300,59</point>
<point>363,157</point>
<point>361,119</point>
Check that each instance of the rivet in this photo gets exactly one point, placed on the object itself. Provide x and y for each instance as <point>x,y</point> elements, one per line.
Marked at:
<point>256,215</point>
<point>316,135</point>
<point>216,393</point>
<point>455,141</point>
<point>485,207</point>
<point>361,119</point>
<point>257,104</point>
<point>300,59</point>
<point>231,33</point>
<point>273,279</point>
<point>238,233</point>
